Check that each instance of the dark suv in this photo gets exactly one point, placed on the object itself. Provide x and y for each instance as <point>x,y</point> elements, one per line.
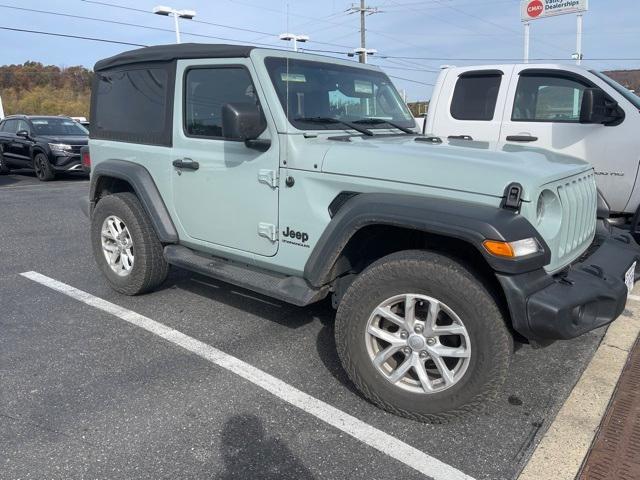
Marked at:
<point>46,144</point>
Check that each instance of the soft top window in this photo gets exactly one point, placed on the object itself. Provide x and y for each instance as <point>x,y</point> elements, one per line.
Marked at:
<point>134,105</point>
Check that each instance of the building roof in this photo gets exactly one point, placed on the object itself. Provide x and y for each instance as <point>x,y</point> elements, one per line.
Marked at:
<point>168,53</point>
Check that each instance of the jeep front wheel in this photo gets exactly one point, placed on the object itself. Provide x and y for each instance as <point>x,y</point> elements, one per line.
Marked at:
<point>125,245</point>
<point>422,338</point>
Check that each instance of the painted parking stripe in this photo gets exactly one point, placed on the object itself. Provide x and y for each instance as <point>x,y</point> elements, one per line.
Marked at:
<point>635,298</point>
<point>358,429</point>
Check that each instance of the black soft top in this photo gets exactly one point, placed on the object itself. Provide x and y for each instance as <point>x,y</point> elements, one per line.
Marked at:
<point>169,53</point>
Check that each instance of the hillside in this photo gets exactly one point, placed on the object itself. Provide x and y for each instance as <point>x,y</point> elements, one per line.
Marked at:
<point>34,88</point>
<point>628,78</point>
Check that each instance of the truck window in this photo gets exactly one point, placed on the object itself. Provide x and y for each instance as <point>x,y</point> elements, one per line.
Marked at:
<point>547,99</point>
<point>207,90</point>
<point>475,97</point>
<point>134,105</point>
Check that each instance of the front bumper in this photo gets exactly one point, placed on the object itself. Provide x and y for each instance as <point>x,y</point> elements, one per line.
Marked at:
<point>590,294</point>
<point>67,163</point>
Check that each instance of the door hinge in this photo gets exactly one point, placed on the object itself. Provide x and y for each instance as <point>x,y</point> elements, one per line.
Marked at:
<point>269,177</point>
<point>268,230</point>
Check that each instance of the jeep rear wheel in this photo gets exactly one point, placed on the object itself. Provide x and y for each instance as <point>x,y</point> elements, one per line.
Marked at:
<point>422,338</point>
<point>125,245</point>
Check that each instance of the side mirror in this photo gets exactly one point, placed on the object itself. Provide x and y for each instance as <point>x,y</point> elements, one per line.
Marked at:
<point>22,133</point>
<point>598,108</point>
<point>242,121</point>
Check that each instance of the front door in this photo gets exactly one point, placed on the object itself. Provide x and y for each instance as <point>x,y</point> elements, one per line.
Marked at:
<point>15,149</point>
<point>546,114</point>
<point>231,199</point>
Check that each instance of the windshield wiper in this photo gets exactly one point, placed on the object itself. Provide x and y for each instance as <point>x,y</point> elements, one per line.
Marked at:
<point>330,120</point>
<point>380,121</point>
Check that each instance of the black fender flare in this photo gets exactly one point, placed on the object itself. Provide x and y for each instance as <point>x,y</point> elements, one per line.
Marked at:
<point>469,222</point>
<point>145,189</point>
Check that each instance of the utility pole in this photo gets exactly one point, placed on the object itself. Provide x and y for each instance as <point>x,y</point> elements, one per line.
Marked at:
<point>364,10</point>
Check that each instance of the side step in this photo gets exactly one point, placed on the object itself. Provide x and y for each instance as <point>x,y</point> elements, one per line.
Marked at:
<point>293,290</point>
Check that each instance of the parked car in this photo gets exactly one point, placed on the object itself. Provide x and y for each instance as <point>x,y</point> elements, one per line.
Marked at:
<point>565,109</point>
<point>48,145</point>
<point>301,177</point>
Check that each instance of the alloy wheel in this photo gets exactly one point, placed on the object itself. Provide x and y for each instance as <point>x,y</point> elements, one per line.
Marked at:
<point>418,343</point>
<point>117,245</point>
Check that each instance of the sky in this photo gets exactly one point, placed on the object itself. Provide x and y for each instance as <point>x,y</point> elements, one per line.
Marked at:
<point>431,33</point>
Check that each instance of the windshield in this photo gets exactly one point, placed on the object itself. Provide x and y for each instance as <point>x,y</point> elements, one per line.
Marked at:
<point>58,127</point>
<point>625,92</point>
<point>322,95</point>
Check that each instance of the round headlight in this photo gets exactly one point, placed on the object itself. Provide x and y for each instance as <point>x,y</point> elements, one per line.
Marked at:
<point>548,213</point>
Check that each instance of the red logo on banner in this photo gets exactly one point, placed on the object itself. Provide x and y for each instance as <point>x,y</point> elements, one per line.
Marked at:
<point>535,8</point>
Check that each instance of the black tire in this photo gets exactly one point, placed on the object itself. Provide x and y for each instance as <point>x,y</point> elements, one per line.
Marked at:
<point>42,167</point>
<point>149,266</point>
<point>440,277</point>
<point>4,169</point>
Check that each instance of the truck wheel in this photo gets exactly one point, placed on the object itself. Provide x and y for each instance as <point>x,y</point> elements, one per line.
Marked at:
<point>4,169</point>
<point>422,338</point>
<point>126,246</point>
<point>44,170</point>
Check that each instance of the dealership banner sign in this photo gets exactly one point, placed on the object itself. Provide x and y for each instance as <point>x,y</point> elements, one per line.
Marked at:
<point>535,9</point>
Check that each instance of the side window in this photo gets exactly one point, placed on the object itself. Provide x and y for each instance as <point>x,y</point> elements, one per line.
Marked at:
<point>22,125</point>
<point>547,99</point>
<point>10,126</point>
<point>134,105</point>
<point>207,90</point>
<point>475,97</point>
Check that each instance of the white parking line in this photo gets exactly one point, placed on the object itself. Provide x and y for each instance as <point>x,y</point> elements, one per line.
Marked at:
<point>358,429</point>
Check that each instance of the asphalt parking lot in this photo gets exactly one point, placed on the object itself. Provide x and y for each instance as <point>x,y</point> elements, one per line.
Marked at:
<point>84,394</point>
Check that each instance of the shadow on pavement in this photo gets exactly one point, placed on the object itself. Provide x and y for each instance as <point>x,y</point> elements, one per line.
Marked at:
<point>249,453</point>
<point>272,310</point>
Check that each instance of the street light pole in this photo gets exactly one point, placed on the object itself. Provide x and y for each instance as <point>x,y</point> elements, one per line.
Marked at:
<point>177,26</point>
<point>176,14</point>
<point>295,38</point>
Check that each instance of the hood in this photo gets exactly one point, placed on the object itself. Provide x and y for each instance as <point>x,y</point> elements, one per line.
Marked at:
<point>68,139</point>
<point>469,166</point>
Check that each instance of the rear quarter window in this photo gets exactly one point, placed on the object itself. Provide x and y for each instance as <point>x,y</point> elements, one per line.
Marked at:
<point>134,105</point>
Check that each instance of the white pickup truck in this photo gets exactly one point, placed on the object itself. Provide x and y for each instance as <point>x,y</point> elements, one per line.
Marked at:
<point>566,109</point>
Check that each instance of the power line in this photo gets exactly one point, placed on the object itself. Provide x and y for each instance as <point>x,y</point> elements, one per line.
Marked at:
<point>94,39</point>
<point>205,22</point>
<point>412,81</point>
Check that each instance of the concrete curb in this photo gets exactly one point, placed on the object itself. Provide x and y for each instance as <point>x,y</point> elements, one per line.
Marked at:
<point>563,448</point>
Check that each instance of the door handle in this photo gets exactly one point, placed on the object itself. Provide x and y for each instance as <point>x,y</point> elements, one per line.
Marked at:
<point>521,138</point>
<point>186,163</point>
<point>460,137</point>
